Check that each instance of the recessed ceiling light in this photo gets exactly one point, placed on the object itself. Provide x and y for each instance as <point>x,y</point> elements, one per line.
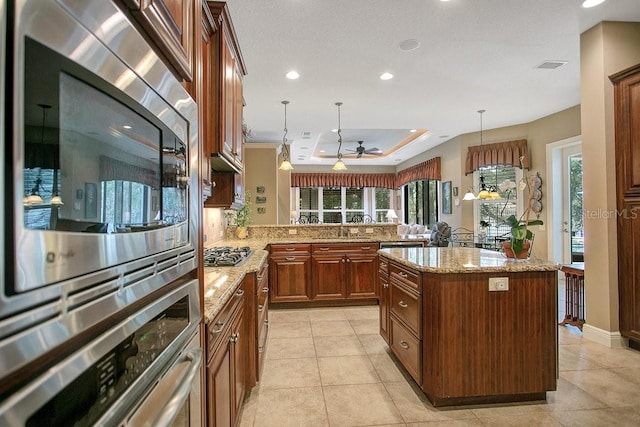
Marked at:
<point>292,75</point>
<point>444,0</point>
<point>386,76</point>
<point>444,136</point>
<point>409,44</point>
<point>413,130</point>
<point>126,127</point>
<point>591,3</point>
<point>322,151</point>
<point>334,130</point>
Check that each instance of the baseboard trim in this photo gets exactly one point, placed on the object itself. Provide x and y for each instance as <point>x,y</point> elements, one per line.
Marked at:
<point>606,338</point>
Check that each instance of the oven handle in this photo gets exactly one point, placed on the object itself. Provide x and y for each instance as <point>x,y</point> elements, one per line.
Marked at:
<point>179,393</point>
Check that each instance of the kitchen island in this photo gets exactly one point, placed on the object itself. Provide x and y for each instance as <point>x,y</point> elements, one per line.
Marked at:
<point>469,325</point>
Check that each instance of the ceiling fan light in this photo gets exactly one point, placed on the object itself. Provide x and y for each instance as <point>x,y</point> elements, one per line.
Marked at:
<point>34,199</point>
<point>56,200</point>
<point>494,195</point>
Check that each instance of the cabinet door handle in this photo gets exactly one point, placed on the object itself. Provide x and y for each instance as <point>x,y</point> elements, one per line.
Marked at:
<point>403,274</point>
<point>385,285</point>
<point>324,249</point>
<point>290,258</point>
<point>259,277</point>
<point>235,337</point>
<point>403,304</point>
<point>240,292</point>
<point>290,249</point>
<point>265,290</point>
<point>266,322</point>
<point>261,349</point>
<point>260,308</point>
<point>404,345</point>
<point>220,326</point>
<point>383,265</point>
<point>365,248</point>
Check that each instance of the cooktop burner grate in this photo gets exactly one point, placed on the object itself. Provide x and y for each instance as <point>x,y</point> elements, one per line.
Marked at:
<point>225,256</point>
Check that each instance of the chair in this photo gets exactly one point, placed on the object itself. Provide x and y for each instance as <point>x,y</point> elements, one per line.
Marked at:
<point>462,237</point>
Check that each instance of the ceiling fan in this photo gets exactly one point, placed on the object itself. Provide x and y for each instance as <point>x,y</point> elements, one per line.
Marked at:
<point>360,150</point>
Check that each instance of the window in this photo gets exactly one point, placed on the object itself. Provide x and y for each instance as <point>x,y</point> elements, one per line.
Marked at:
<point>494,212</point>
<point>39,216</point>
<point>382,200</point>
<point>125,202</point>
<point>421,202</point>
<point>341,204</point>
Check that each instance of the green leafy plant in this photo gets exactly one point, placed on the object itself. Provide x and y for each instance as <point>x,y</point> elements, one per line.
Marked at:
<point>243,215</point>
<point>520,232</point>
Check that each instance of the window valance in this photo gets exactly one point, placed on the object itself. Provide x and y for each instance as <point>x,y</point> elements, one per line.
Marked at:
<point>384,180</point>
<point>112,169</point>
<point>431,169</point>
<point>501,153</point>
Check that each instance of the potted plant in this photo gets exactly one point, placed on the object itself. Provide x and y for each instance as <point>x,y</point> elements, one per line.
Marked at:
<point>243,217</point>
<point>520,241</point>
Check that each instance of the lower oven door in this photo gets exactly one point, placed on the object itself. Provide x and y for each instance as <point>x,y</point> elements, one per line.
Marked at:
<point>109,380</point>
<point>176,399</point>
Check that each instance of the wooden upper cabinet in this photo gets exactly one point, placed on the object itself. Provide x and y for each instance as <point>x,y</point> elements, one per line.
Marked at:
<point>168,26</point>
<point>223,139</point>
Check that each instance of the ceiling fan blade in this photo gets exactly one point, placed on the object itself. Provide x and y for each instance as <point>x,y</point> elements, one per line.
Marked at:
<point>374,151</point>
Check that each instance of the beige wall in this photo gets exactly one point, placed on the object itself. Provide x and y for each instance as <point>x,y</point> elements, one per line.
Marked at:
<point>261,170</point>
<point>605,49</point>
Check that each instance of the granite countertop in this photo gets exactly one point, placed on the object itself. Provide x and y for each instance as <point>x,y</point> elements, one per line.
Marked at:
<point>220,283</point>
<point>463,260</point>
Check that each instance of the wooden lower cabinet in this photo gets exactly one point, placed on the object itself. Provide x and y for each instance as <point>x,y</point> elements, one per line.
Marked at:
<point>344,271</point>
<point>290,273</point>
<point>464,344</point>
<point>227,355</point>
<point>383,295</point>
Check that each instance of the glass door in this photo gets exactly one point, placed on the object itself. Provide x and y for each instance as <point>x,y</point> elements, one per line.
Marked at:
<point>573,228</point>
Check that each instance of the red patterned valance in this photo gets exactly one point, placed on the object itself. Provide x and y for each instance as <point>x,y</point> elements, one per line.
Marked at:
<point>431,169</point>
<point>501,153</point>
<point>384,180</point>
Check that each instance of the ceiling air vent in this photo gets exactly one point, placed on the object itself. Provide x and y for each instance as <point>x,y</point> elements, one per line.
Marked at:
<point>551,65</point>
<point>306,135</point>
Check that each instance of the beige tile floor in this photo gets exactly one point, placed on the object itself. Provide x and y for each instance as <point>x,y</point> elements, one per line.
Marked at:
<point>330,367</point>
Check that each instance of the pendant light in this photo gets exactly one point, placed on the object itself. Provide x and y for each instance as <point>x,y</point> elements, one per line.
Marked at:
<point>339,165</point>
<point>286,164</point>
<point>485,192</point>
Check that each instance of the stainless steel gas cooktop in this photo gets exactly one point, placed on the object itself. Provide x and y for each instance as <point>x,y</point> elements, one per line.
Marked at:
<point>225,256</point>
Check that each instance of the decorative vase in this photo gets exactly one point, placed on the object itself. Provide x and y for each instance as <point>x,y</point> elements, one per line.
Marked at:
<point>524,254</point>
<point>241,232</point>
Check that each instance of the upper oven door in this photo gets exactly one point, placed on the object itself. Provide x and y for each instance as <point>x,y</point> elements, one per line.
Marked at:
<point>103,145</point>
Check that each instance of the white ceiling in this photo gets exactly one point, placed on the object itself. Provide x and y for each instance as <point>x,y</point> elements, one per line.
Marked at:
<point>474,54</point>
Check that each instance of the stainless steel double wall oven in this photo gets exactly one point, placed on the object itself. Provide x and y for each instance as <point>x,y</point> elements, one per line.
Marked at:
<point>99,214</point>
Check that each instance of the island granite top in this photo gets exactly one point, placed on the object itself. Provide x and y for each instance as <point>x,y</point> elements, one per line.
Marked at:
<point>462,260</point>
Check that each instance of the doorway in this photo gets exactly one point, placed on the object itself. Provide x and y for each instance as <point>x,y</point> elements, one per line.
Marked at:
<point>565,211</point>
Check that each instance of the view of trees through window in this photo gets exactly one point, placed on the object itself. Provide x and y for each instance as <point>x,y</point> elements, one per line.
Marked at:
<point>494,212</point>
<point>342,204</point>
<point>421,202</point>
<point>575,198</point>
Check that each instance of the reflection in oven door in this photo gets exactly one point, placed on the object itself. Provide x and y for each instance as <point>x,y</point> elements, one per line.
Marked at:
<point>152,356</point>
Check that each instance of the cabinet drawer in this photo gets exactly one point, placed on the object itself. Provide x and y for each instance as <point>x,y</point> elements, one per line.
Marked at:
<point>333,248</point>
<point>290,248</point>
<point>222,322</point>
<point>406,276</point>
<point>407,305</point>
<point>407,348</point>
<point>383,265</point>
